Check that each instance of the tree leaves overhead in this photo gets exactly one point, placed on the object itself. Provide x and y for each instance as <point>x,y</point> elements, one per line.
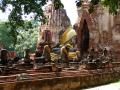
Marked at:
<point>95,2</point>
<point>113,5</point>
<point>57,4</point>
<point>5,38</point>
<point>92,3</point>
<point>25,7</point>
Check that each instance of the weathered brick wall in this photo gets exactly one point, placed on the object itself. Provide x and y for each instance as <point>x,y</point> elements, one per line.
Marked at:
<point>64,83</point>
<point>57,20</point>
<point>104,28</point>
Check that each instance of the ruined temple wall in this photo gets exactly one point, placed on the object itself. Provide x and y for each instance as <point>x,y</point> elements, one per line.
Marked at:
<point>93,30</point>
<point>57,21</point>
<point>104,28</point>
<point>104,24</point>
<point>116,32</point>
<point>108,26</point>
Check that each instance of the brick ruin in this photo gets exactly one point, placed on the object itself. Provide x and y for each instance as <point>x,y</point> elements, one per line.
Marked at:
<point>57,22</point>
<point>101,26</point>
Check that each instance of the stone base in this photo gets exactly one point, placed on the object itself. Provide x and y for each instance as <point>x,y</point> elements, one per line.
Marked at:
<point>63,83</point>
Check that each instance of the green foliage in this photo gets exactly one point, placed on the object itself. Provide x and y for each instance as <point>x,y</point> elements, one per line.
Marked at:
<point>92,4</point>
<point>14,31</point>
<point>95,2</point>
<point>5,37</point>
<point>91,9</point>
<point>24,7</point>
<point>113,5</point>
<point>57,4</point>
<point>26,39</point>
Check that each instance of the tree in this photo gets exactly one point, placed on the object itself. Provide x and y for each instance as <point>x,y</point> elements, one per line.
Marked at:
<point>5,37</point>
<point>25,38</point>
<point>24,7</point>
<point>113,5</point>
